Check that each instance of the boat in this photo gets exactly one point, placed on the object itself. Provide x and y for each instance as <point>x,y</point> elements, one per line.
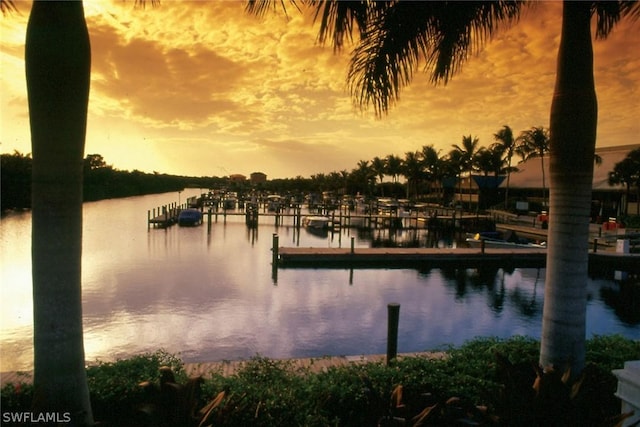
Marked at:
<point>190,217</point>
<point>230,201</point>
<point>274,202</point>
<point>317,222</point>
<point>508,240</point>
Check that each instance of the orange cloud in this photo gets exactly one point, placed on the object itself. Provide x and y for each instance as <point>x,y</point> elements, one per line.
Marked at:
<point>187,85</point>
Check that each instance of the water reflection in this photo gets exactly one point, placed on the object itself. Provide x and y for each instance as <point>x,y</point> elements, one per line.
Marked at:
<point>211,295</point>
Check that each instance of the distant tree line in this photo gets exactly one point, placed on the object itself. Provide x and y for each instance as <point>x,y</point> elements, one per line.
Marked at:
<point>424,171</point>
<point>101,181</point>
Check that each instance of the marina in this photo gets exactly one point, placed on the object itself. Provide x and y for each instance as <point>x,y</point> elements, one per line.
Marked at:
<point>211,295</point>
<point>482,249</point>
<point>372,214</point>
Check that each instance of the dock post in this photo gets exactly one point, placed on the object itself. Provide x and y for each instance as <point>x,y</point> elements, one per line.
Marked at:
<point>274,251</point>
<point>353,240</point>
<point>482,245</point>
<point>393,311</point>
<point>209,221</point>
<point>148,220</point>
<point>595,245</point>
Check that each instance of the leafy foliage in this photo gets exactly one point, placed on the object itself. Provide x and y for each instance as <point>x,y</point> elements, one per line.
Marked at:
<point>487,381</point>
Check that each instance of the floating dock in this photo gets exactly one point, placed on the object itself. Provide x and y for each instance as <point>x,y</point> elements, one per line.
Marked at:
<point>289,257</point>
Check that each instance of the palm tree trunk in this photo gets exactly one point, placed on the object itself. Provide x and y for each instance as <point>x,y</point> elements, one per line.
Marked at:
<point>544,184</point>
<point>573,124</point>
<point>506,193</point>
<point>58,66</point>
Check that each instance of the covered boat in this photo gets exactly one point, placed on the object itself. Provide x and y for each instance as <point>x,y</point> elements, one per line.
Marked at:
<point>190,217</point>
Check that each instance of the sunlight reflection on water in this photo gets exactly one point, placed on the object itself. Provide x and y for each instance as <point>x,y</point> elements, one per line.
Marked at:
<point>212,297</point>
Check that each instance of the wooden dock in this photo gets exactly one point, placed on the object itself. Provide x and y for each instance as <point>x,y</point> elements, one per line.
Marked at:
<point>165,216</point>
<point>290,257</point>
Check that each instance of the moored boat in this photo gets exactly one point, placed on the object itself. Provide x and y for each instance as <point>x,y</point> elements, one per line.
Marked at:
<point>317,222</point>
<point>496,239</point>
<point>190,217</point>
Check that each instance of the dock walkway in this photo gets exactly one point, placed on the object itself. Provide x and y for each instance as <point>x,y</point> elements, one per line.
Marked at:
<point>297,257</point>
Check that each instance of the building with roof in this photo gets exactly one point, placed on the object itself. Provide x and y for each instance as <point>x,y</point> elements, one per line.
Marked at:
<point>608,200</point>
<point>258,177</point>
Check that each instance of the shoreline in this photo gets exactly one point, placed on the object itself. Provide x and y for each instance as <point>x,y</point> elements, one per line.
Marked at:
<point>229,367</point>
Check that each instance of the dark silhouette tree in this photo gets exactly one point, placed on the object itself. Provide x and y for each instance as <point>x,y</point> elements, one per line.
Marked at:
<point>534,143</point>
<point>505,138</point>
<point>467,157</point>
<point>627,172</point>
<point>379,166</point>
<point>58,67</point>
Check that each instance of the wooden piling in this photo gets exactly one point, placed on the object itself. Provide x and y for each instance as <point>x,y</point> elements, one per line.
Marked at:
<point>393,311</point>
<point>274,250</point>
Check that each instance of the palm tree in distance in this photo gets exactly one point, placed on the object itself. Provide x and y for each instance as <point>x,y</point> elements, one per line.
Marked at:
<point>505,138</point>
<point>397,38</point>
<point>366,176</point>
<point>455,166</point>
<point>627,172</point>
<point>468,151</point>
<point>413,170</point>
<point>394,166</point>
<point>490,160</point>
<point>379,166</point>
<point>534,143</point>
<point>432,164</point>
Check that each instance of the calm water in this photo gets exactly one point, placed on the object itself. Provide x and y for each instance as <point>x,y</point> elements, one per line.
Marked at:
<point>213,297</point>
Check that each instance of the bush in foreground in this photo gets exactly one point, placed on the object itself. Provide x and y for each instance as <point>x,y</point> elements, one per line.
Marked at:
<point>487,381</point>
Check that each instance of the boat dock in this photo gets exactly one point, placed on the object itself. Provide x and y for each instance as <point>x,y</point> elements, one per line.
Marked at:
<point>295,257</point>
<point>166,216</point>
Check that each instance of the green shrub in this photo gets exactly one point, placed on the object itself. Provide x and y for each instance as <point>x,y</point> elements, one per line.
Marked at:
<point>115,386</point>
<point>631,221</point>
<point>495,373</point>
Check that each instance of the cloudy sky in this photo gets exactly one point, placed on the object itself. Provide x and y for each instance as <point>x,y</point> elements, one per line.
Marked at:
<point>201,88</point>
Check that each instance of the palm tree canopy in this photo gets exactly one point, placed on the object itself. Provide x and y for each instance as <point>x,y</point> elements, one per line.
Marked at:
<point>533,142</point>
<point>432,161</point>
<point>505,138</point>
<point>379,166</point>
<point>627,171</point>
<point>468,151</point>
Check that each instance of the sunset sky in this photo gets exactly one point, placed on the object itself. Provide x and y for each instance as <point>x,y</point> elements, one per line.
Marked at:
<point>201,89</point>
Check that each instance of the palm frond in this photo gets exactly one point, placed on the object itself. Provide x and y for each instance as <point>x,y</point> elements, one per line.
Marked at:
<point>261,7</point>
<point>143,3</point>
<point>401,35</point>
<point>609,13</point>
<point>7,6</point>
<point>338,19</point>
